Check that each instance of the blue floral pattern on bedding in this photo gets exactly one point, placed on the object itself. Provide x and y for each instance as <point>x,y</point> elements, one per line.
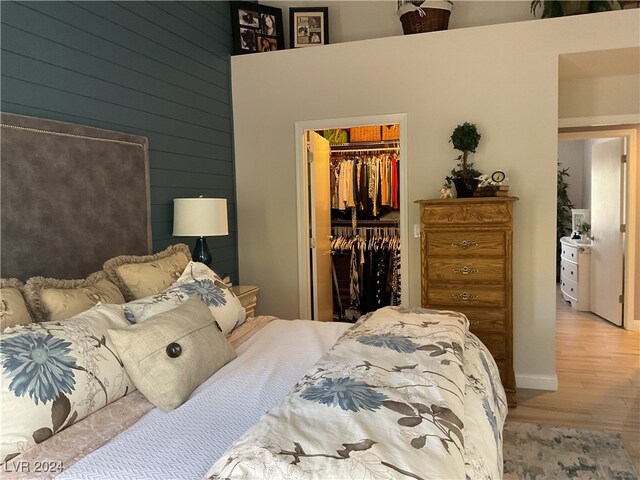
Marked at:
<point>391,399</point>
<point>207,291</point>
<point>347,393</point>
<point>387,340</point>
<point>38,364</point>
<point>56,373</point>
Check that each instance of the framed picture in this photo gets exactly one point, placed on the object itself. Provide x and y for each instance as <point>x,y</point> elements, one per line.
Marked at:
<point>308,26</point>
<point>578,217</point>
<point>256,28</point>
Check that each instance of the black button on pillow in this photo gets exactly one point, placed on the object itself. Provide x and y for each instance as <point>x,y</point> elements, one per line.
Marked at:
<point>174,350</point>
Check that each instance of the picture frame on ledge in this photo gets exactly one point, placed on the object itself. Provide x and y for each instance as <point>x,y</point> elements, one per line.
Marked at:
<point>256,28</point>
<point>308,26</point>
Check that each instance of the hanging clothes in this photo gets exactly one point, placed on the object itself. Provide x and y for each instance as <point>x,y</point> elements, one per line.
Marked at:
<point>368,183</point>
<point>373,266</point>
<point>394,181</point>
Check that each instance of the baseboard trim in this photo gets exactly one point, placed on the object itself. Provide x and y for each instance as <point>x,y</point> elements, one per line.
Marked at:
<point>537,382</point>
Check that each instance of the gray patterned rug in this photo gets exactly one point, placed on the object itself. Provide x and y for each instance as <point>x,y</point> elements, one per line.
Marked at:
<point>537,452</point>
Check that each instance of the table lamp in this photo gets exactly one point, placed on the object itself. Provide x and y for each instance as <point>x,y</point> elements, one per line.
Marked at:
<point>200,217</point>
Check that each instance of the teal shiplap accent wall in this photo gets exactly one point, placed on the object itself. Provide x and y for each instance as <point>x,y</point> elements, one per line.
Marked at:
<point>158,69</point>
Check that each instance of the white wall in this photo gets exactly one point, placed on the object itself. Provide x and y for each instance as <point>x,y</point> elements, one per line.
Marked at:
<point>363,19</point>
<point>600,97</point>
<point>571,155</point>
<point>503,77</point>
<point>586,175</point>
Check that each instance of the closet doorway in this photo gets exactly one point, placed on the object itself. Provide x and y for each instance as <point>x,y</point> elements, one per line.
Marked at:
<point>351,216</point>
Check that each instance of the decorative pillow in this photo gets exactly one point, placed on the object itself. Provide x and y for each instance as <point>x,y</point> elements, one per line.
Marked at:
<point>52,300</point>
<point>13,308</point>
<point>173,352</point>
<point>56,373</point>
<point>199,280</point>
<point>141,276</point>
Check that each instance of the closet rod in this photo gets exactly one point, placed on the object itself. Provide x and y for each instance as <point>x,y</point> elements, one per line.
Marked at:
<point>366,223</point>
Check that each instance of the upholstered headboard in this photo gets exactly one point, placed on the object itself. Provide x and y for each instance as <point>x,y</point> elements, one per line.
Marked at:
<point>71,197</point>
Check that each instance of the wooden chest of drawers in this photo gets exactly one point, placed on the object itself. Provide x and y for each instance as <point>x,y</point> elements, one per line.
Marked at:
<point>466,266</point>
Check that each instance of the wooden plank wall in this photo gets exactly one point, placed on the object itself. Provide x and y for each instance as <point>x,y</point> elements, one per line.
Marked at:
<point>158,69</point>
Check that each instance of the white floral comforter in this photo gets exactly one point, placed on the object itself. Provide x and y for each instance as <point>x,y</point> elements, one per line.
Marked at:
<point>402,394</point>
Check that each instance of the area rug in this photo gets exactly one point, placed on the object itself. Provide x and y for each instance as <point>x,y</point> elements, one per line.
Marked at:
<point>537,452</point>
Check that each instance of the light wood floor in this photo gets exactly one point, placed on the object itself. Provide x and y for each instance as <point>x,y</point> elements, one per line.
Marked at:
<point>598,367</point>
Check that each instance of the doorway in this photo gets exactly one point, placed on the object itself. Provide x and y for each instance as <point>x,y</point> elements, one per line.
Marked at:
<point>604,164</point>
<point>322,290</point>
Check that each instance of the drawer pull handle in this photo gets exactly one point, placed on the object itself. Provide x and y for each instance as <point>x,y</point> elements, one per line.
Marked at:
<point>464,296</point>
<point>465,270</point>
<point>464,244</point>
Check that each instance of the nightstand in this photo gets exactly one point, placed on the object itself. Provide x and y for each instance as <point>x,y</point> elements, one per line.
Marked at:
<point>248,297</point>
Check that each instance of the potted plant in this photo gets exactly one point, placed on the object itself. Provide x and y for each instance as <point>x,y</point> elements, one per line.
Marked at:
<point>584,229</point>
<point>557,8</point>
<point>465,138</point>
<point>563,213</point>
<point>418,16</point>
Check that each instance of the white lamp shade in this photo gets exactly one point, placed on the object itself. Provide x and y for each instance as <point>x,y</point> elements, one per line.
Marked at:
<point>200,217</point>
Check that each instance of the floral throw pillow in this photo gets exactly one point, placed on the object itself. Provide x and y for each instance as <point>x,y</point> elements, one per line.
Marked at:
<point>196,280</point>
<point>56,373</point>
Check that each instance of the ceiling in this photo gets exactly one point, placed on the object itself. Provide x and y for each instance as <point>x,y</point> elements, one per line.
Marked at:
<point>601,63</point>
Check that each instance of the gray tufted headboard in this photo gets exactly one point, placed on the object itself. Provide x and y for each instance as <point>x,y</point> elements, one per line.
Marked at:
<point>71,197</point>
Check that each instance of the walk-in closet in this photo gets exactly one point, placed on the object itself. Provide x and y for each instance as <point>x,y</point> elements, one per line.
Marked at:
<point>364,190</point>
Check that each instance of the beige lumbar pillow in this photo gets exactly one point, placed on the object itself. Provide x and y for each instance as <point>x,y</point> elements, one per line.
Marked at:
<point>52,299</point>
<point>13,307</point>
<point>145,275</point>
<point>171,353</point>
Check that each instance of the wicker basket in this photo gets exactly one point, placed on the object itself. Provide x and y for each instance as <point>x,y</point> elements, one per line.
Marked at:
<point>336,136</point>
<point>391,132</point>
<point>365,134</point>
<point>432,19</point>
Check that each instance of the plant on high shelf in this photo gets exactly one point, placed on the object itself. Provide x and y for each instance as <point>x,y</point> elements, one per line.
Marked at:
<point>558,8</point>
<point>563,213</point>
<point>465,138</point>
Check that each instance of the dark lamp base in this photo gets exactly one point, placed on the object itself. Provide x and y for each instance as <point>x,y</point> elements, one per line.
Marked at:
<point>201,252</point>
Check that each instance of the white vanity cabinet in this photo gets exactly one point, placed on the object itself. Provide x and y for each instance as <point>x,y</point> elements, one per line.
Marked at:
<point>575,267</point>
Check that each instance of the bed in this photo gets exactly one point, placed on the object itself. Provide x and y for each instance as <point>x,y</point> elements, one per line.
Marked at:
<point>403,393</point>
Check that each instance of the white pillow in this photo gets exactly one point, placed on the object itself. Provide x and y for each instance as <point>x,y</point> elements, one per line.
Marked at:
<point>196,280</point>
<point>56,373</point>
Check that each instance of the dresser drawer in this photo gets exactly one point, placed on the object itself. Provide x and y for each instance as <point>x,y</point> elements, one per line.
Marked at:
<point>569,252</point>
<point>465,243</point>
<point>465,295</point>
<point>448,269</point>
<point>484,319</point>
<point>462,213</point>
<point>569,287</point>
<point>495,343</point>
<point>569,270</point>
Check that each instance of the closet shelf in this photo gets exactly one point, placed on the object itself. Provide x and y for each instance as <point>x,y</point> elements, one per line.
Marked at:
<point>365,223</point>
<point>386,145</point>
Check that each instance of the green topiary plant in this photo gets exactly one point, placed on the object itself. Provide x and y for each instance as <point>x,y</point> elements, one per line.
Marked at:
<point>465,138</point>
